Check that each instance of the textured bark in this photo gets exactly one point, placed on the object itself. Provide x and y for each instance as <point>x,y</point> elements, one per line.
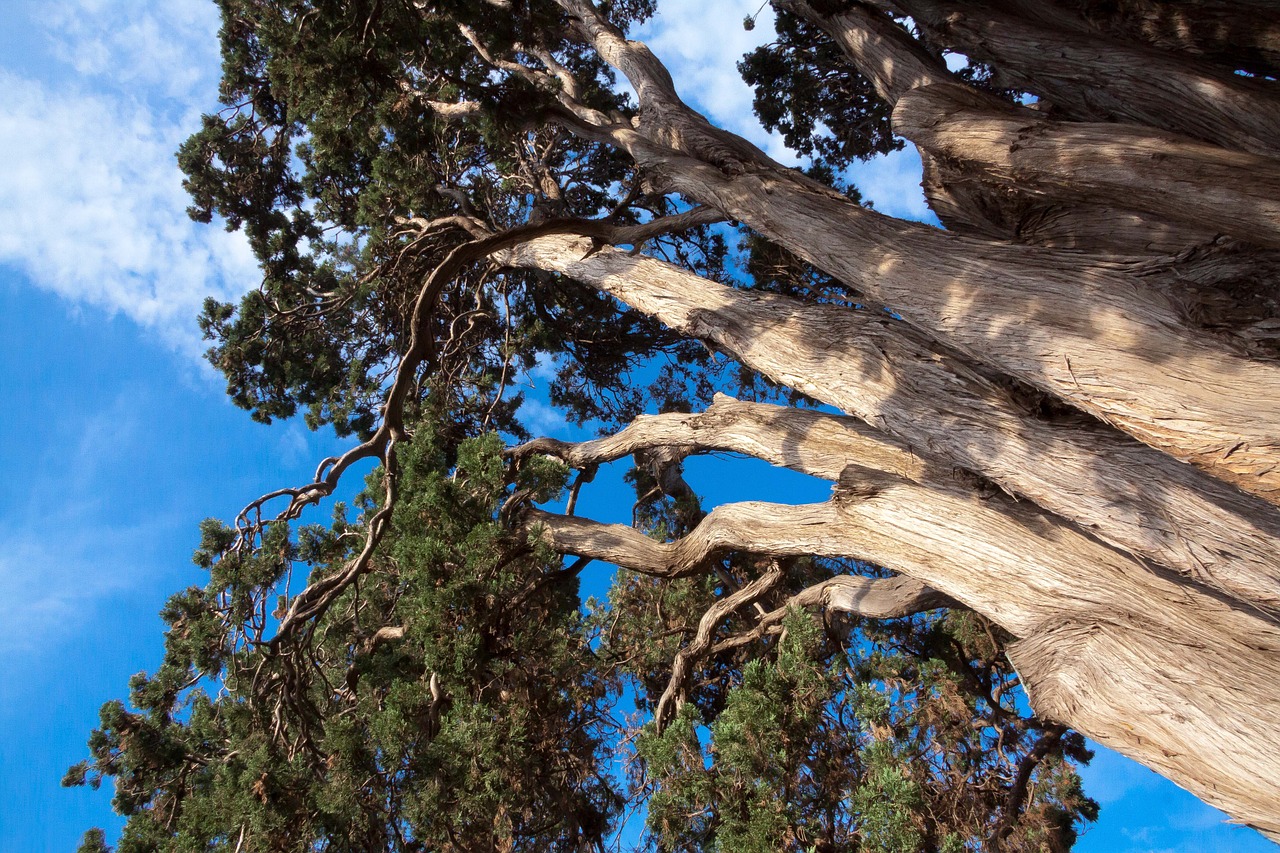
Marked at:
<point>873,367</point>
<point>965,203</point>
<point>1142,658</point>
<point>1106,645</point>
<point>1101,79</point>
<point>1085,333</point>
<point>1240,34</point>
<point>1177,179</point>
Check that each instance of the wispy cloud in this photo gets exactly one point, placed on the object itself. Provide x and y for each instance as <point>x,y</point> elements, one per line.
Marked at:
<point>156,50</point>
<point>542,419</point>
<point>67,546</point>
<point>91,199</point>
<point>92,208</point>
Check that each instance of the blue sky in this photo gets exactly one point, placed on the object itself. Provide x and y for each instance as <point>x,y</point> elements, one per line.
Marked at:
<point>116,439</point>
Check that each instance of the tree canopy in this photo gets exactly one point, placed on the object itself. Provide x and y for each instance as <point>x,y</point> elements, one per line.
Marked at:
<point>1052,427</point>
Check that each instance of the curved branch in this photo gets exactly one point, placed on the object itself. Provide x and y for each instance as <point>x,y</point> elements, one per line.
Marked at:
<point>808,441</point>
<point>870,598</point>
<point>1085,616</point>
<point>677,688</point>
<point>422,352</point>
<point>1018,791</point>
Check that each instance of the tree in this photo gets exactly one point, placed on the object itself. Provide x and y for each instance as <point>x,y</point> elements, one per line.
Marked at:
<point>1059,427</point>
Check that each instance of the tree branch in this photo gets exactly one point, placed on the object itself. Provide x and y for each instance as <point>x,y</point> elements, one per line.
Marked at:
<point>677,688</point>
<point>870,598</point>
<point>928,399</point>
<point>879,48</point>
<point>1094,79</point>
<point>1178,178</point>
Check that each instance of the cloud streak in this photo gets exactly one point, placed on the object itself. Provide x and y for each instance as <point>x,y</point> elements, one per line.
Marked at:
<point>91,200</point>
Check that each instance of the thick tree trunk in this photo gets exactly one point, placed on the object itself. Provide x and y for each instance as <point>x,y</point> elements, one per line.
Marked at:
<point>1087,333</point>
<point>1106,645</point>
<point>873,367</point>
<point>965,200</point>
<point>1177,179</point>
<point>1100,79</point>
<point>967,204</point>
<point>1152,655</point>
<point>1238,34</point>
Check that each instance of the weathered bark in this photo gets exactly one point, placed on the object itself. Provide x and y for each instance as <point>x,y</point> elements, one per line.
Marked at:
<point>1225,285</point>
<point>965,203</point>
<point>873,367</point>
<point>1141,643</point>
<point>1239,34</point>
<point>1084,332</point>
<point>1106,645</point>
<point>1096,78</point>
<point>1232,192</point>
<point>896,64</point>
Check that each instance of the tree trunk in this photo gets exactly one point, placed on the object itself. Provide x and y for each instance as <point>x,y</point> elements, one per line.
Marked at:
<point>1238,34</point>
<point>966,204</point>
<point>1087,333</point>
<point>1094,78</point>
<point>1115,646</point>
<point>1173,177</point>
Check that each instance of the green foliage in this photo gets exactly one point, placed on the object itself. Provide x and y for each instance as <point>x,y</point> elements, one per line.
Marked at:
<point>805,90</point>
<point>480,720</point>
<point>863,735</point>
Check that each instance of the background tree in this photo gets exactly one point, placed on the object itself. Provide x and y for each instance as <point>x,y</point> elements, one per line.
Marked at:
<point>440,194</point>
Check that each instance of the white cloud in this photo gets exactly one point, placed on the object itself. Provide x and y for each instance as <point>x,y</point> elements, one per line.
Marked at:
<point>91,200</point>
<point>294,445</point>
<point>157,49</point>
<point>542,419</point>
<point>49,585</point>
<point>892,184</point>
<point>92,208</point>
<point>67,545</point>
